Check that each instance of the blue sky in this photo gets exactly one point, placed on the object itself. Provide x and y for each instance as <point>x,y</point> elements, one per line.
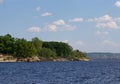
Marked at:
<point>90,26</point>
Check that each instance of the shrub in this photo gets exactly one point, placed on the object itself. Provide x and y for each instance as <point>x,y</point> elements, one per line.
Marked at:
<point>47,53</point>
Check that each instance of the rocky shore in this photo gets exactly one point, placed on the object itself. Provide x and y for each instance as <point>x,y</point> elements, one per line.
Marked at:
<point>6,58</point>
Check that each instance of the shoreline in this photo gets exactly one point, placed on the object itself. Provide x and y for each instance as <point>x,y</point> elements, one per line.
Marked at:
<point>6,58</point>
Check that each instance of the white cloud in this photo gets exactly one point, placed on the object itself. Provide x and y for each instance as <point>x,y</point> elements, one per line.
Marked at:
<point>62,26</point>
<point>106,21</point>
<point>117,4</point>
<point>59,22</point>
<point>104,18</point>
<point>117,19</point>
<point>1,1</point>
<point>109,25</point>
<point>101,19</point>
<point>38,8</point>
<point>46,14</point>
<point>51,27</point>
<point>34,29</point>
<point>76,20</point>
<point>101,33</point>
<point>65,27</point>
<point>58,25</point>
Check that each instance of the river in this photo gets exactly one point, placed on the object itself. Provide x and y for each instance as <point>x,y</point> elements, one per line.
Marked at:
<point>74,72</point>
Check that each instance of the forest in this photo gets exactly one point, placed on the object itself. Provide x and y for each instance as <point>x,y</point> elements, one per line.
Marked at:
<point>22,48</point>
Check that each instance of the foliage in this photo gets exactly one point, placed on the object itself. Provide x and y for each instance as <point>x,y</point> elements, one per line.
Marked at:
<point>37,44</point>
<point>47,53</point>
<point>76,54</point>
<point>6,44</point>
<point>23,48</point>
<point>62,49</point>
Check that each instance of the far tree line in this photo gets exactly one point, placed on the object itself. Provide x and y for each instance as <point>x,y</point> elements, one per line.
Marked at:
<point>21,48</point>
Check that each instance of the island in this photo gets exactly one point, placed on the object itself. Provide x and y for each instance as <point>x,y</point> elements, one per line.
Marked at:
<point>21,50</point>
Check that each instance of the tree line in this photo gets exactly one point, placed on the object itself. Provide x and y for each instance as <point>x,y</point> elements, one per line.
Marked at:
<point>21,48</point>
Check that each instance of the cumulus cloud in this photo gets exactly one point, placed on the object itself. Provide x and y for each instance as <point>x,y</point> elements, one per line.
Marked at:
<point>101,19</point>
<point>105,18</point>
<point>101,33</point>
<point>1,1</point>
<point>117,4</point>
<point>76,20</point>
<point>117,19</point>
<point>59,22</point>
<point>58,25</point>
<point>110,25</point>
<point>51,27</point>
<point>38,8</point>
<point>46,14</point>
<point>34,29</point>
<point>106,21</point>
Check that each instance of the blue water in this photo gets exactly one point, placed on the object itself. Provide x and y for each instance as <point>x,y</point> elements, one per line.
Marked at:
<point>93,72</point>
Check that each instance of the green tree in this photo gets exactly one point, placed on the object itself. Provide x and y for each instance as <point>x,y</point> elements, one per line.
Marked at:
<point>6,44</point>
<point>76,54</point>
<point>62,49</point>
<point>47,53</point>
<point>1,44</point>
<point>37,44</point>
<point>24,48</point>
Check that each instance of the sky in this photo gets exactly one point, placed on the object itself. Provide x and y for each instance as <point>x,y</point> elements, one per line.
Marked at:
<point>90,26</point>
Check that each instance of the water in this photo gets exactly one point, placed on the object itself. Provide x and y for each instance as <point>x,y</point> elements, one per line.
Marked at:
<point>93,72</point>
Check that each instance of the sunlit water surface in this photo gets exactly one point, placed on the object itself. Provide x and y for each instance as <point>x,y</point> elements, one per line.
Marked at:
<point>92,72</point>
